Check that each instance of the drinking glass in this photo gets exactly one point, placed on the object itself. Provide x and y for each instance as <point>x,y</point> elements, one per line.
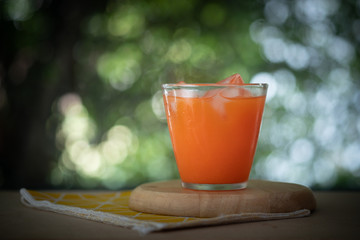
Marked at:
<point>214,130</point>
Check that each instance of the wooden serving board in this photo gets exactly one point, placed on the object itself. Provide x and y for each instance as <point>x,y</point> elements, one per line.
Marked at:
<point>170,198</point>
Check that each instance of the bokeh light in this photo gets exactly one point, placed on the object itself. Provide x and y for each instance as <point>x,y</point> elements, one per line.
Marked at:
<point>105,116</point>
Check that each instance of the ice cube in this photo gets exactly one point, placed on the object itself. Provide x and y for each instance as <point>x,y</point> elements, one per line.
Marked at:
<point>235,92</point>
<point>211,93</point>
<point>186,93</point>
<point>235,79</point>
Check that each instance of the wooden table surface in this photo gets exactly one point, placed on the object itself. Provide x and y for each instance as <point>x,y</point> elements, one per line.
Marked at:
<point>337,217</point>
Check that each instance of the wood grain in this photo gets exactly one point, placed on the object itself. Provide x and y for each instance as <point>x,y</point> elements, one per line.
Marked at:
<point>170,198</point>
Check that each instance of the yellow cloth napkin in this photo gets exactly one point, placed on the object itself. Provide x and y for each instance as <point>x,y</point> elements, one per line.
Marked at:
<point>112,208</point>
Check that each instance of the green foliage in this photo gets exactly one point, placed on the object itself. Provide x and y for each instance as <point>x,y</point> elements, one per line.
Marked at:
<point>99,69</point>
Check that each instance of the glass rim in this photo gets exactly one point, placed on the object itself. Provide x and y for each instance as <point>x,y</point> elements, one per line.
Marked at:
<point>212,85</point>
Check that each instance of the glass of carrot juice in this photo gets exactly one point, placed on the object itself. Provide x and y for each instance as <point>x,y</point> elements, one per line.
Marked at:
<point>214,130</point>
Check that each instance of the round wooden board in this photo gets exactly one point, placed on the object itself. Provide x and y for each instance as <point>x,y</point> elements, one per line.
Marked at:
<point>170,198</point>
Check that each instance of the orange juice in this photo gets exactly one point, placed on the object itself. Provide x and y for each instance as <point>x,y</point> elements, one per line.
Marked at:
<point>214,131</point>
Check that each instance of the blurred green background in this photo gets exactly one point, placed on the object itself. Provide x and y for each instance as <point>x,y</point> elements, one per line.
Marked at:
<point>80,100</point>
